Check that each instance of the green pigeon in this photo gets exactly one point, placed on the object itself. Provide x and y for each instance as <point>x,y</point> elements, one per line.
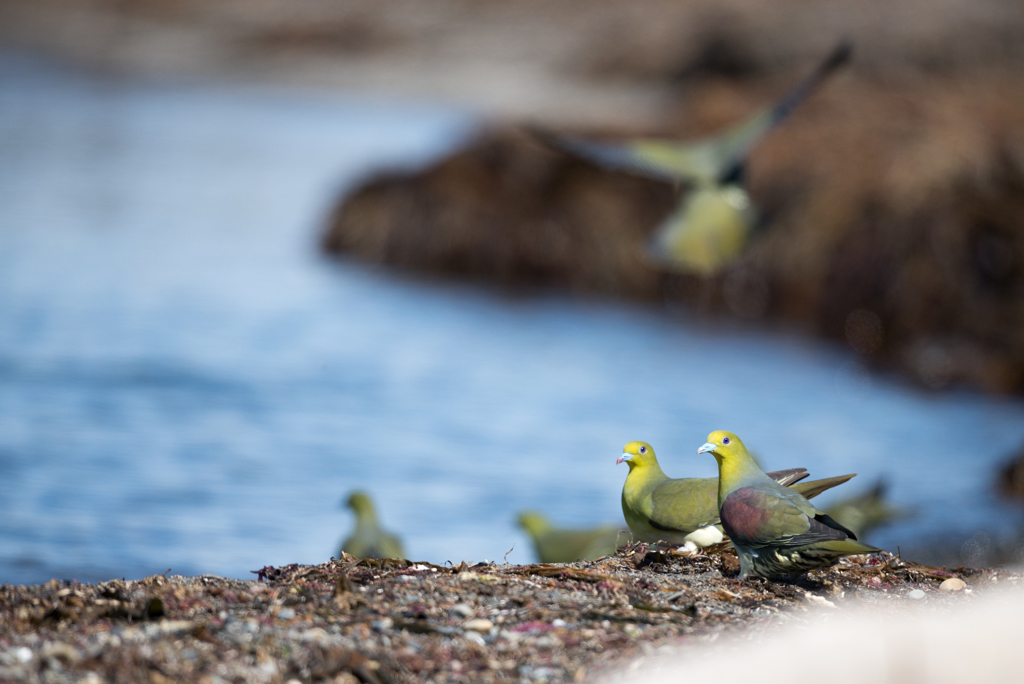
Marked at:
<point>685,511</point>
<point>776,530</point>
<point>715,218</point>
<point>558,545</point>
<point>866,511</point>
<point>369,539</point>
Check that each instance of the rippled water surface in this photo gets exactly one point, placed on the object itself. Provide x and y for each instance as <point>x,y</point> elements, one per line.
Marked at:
<point>186,383</point>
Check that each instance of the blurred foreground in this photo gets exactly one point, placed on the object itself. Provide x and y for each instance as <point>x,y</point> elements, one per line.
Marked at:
<point>398,622</point>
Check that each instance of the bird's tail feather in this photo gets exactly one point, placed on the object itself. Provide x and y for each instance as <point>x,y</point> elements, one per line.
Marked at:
<point>811,489</point>
<point>844,547</point>
<point>789,476</point>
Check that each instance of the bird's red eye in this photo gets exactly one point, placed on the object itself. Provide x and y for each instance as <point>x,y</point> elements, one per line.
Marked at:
<point>643,450</point>
<point>725,440</point>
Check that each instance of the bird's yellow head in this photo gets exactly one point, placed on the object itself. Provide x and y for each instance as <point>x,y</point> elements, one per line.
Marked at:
<point>637,454</point>
<point>361,503</point>
<point>724,446</point>
<point>534,522</point>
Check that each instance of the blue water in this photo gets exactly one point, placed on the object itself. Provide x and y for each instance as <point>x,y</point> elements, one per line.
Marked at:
<point>186,383</point>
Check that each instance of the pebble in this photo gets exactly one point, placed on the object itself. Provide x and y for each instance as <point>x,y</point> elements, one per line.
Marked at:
<point>953,584</point>
<point>547,641</point>
<point>316,634</point>
<point>558,622</point>
<point>816,600</point>
<point>916,594</point>
<point>475,637</point>
<point>285,614</point>
<point>460,610</point>
<point>62,652</point>
<point>478,625</point>
<point>23,654</point>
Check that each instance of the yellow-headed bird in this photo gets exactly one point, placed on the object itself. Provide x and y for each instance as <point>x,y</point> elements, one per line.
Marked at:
<point>558,545</point>
<point>715,218</point>
<point>369,539</point>
<point>776,531</point>
<point>684,511</point>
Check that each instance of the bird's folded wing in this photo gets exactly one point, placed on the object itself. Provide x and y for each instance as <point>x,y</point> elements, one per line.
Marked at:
<point>758,519</point>
<point>685,505</point>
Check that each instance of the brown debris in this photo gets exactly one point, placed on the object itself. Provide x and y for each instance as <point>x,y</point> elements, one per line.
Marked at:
<point>390,621</point>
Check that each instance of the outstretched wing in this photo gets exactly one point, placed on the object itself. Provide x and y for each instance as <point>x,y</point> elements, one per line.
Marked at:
<point>732,147</point>
<point>710,161</point>
<point>662,160</point>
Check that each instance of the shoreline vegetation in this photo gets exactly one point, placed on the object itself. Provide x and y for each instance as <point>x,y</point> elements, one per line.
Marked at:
<point>390,621</point>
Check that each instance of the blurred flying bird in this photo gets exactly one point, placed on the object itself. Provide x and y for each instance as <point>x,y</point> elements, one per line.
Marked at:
<point>866,511</point>
<point>714,219</point>
<point>557,545</point>
<point>775,530</point>
<point>685,511</point>
<point>369,539</point>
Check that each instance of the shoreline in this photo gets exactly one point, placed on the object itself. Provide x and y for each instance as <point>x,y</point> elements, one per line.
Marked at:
<point>389,621</point>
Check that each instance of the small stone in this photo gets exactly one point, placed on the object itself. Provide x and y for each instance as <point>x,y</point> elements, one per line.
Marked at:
<point>916,594</point>
<point>383,625</point>
<point>558,622</point>
<point>316,634</point>
<point>461,610</point>
<point>478,625</point>
<point>474,637</point>
<point>953,584</point>
<point>816,600</point>
<point>66,654</point>
<point>23,654</point>
<point>547,641</point>
<point>285,614</point>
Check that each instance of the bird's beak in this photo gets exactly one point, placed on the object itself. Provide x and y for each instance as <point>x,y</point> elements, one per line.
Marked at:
<point>624,457</point>
<point>706,447</point>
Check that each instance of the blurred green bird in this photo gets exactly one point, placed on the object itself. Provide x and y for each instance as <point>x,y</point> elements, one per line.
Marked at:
<point>715,218</point>
<point>776,531</point>
<point>369,539</point>
<point>557,545</point>
<point>684,511</point>
<point>867,511</point>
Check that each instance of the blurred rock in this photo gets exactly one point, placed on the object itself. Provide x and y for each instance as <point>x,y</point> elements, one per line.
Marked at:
<point>893,221</point>
<point>512,211</point>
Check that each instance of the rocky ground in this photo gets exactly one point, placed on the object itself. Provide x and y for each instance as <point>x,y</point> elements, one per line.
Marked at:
<point>388,621</point>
